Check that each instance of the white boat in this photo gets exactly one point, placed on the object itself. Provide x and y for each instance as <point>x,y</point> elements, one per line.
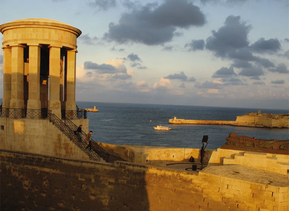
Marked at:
<point>159,127</point>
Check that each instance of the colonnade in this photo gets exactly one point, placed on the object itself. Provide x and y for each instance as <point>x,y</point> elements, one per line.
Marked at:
<point>61,73</point>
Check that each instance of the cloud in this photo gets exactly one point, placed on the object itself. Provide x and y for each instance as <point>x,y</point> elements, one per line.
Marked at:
<point>195,45</point>
<point>286,54</point>
<point>226,2</point>
<point>278,82</point>
<point>241,54</point>
<point>121,76</point>
<point>192,79</point>
<point>255,78</point>
<point>180,76</point>
<point>231,42</point>
<point>167,48</point>
<point>232,81</point>
<point>281,68</point>
<point>142,86</point>
<point>133,57</point>
<point>208,85</point>
<point>164,84</point>
<point>266,63</point>
<point>266,46</point>
<point>224,72</point>
<point>254,71</point>
<point>182,86</point>
<point>103,68</point>
<point>1,59</point>
<point>229,38</point>
<point>86,39</point>
<point>241,64</point>
<point>154,25</point>
<point>103,4</point>
<point>259,83</point>
<point>114,49</point>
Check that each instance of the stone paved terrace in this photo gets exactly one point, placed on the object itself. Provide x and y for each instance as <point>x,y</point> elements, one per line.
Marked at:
<point>238,172</point>
<point>249,174</point>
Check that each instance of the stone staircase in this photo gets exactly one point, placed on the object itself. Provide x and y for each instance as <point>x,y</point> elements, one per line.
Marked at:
<point>276,163</point>
<point>68,127</point>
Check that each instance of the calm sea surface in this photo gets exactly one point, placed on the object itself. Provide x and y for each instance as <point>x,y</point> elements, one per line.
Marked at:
<point>133,124</point>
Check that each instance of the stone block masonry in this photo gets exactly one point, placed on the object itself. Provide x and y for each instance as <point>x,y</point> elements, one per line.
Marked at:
<point>37,182</point>
<point>39,136</point>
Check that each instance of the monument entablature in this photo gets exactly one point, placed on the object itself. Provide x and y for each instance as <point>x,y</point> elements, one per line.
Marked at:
<point>39,31</point>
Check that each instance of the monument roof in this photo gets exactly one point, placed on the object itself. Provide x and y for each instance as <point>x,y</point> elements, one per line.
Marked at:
<point>38,22</point>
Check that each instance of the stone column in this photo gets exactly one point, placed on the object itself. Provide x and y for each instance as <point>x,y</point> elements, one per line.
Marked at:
<point>54,104</point>
<point>17,94</point>
<point>70,84</point>
<point>34,103</point>
<point>6,80</point>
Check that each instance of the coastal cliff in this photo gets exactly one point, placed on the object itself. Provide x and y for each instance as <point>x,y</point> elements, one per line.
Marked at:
<point>249,120</point>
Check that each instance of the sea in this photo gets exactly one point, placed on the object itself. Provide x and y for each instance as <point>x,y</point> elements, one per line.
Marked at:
<point>132,124</point>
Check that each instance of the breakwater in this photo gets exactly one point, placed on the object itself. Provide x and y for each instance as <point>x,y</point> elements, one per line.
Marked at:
<point>249,120</point>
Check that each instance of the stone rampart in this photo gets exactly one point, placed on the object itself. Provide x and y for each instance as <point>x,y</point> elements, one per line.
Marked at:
<point>34,182</point>
<point>154,155</point>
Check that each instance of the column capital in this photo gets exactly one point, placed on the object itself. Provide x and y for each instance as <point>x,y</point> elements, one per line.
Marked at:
<point>6,47</point>
<point>17,45</point>
<point>54,46</point>
<point>72,50</point>
<point>34,44</point>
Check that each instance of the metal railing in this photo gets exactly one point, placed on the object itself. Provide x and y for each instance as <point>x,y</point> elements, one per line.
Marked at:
<point>68,128</point>
<point>75,114</point>
<point>98,149</point>
<point>17,113</point>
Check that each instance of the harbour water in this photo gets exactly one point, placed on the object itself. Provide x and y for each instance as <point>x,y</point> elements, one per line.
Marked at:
<point>132,124</point>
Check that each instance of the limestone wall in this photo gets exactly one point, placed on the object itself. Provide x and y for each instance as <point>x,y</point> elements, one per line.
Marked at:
<point>38,136</point>
<point>154,155</point>
<point>34,182</point>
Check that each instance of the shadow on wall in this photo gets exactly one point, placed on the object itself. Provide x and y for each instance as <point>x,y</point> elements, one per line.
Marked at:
<point>35,182</point>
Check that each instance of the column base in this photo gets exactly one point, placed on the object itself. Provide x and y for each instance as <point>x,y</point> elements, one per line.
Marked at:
<point>33,109</point>
<point>15,103</point>
<point>5,107</point>
<point>16,109</point>
<point>55,108</point>
<point>70,110</point>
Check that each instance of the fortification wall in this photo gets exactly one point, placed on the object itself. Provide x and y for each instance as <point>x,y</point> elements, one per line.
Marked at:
<point>38,136</point>
<point>154,155</point>
<point>35,182</point>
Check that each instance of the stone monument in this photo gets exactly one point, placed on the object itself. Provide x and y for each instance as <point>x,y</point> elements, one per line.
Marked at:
<point>38,67</point>
<point>39,82</point>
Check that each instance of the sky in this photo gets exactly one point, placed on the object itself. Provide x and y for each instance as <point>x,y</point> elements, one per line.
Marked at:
<point>225,53</point>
